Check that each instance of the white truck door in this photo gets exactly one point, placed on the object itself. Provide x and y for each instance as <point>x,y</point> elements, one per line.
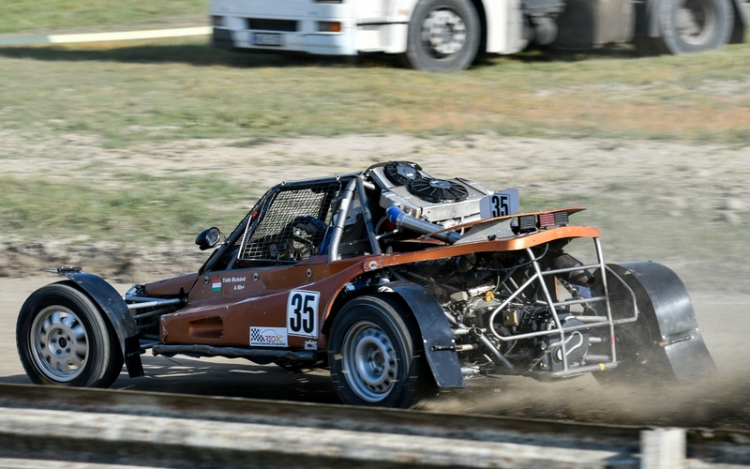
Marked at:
<point>371,9</point>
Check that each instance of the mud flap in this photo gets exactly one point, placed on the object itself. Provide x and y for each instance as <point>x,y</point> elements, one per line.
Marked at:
<point>116,310</point>
<point>437,337</point>
<point>675,342</point>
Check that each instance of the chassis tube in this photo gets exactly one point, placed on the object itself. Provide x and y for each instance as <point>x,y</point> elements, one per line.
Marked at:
<point>338,226</point>
<point>368,216</point>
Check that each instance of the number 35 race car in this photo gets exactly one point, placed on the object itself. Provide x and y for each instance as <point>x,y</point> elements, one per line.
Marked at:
<point>398,282</point>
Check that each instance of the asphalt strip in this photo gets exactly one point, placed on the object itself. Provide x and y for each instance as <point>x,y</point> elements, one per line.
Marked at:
<point>100,37</point>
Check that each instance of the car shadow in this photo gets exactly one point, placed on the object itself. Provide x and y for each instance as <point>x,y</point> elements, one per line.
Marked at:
<point>204,55</point>
<point>192,54</point>
<point>230,378</point>
<point>537,54</point>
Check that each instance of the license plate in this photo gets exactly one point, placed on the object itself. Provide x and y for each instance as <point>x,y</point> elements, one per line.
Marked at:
<point>499,204</point>
<point>267,39</point>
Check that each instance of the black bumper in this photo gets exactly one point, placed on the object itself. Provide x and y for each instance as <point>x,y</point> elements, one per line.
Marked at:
<point>222,39</point>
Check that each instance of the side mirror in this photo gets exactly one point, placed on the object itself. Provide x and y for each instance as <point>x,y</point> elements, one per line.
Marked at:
<point>208,238</point>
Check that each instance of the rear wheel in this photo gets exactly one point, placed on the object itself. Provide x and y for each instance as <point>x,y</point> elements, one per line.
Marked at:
<point>375,355</point>
<point>637,360</point>
<point>63,339</point>
<point>689,26</point>
<point>443,35</point>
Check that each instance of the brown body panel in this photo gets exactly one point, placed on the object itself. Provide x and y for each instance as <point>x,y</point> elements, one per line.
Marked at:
<point>173,286</point>
<point>223,306</point>
<point>255,297</point>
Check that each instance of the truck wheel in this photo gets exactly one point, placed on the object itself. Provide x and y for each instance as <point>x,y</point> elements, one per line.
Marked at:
<point>443,35</point>
<point>63,339</point>
<point>689,26</point>
<point>375,356</point>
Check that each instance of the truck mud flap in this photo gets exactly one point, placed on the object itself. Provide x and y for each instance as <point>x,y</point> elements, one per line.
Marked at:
<point>116,310</point>
<point>675,342</point>
<point>439,346</point>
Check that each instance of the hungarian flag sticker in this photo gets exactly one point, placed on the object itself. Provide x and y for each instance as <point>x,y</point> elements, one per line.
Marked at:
<point>216,286</point>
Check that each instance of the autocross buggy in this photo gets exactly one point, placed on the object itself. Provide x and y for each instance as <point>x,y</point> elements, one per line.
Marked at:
<point>398,282</point>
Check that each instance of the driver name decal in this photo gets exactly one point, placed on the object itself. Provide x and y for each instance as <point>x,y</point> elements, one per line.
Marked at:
<point>268,336</point>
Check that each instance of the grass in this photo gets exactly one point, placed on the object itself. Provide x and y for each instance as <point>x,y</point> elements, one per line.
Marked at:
<point>147,212</point>
<point>19,16</point>
<point>185,89</point>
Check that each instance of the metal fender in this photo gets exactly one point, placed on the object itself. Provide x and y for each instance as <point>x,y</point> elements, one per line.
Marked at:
<point>665,305</point>
<point>437,336</point>
<point>119,316</point>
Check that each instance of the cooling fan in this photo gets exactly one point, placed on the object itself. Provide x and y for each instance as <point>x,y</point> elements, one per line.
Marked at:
<point>400,173</point>
<point>437,190</point>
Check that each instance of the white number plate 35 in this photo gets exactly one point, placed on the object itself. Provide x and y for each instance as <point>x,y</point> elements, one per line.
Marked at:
<point>302,313</point>
<point>499,204</point>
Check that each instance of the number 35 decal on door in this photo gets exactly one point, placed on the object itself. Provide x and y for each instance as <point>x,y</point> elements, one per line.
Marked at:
<point>302,313</point>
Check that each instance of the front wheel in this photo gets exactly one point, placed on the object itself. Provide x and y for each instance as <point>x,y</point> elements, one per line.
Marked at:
<point>443,35</point>
<point>375,355</point>
<point>63,339</point>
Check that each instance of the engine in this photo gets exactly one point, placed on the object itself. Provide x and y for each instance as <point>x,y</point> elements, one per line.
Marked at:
<point>487,308</point>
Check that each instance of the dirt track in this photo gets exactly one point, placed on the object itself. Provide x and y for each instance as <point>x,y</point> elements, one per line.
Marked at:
<point>707,183</point>
<point>724,402</point>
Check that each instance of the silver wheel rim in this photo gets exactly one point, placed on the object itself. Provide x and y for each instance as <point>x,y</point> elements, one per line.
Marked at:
<point>370,362</point>
<point>695,21</point>
<point>443,33</point>
<point>59,344</point>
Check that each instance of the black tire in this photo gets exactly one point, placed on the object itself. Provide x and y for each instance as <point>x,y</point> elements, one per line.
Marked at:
<point>375,355</point>
<point>689,26</point>
<point>86,351</point>
<point>443,36</point>
<point>637,354</point>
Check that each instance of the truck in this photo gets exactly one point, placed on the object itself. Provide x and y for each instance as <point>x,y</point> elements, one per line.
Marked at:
<point>448,35</point>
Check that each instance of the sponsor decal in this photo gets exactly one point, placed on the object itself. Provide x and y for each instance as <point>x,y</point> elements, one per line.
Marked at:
<point>216,285</point>
<point>311,345</point>
<point>268,336</point>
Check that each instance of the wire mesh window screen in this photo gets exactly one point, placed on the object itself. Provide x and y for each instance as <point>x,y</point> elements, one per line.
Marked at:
<point>295,225</point>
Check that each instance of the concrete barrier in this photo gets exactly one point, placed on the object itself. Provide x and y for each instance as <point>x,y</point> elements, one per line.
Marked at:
<point>163,430</point>
<point>104,37</point>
